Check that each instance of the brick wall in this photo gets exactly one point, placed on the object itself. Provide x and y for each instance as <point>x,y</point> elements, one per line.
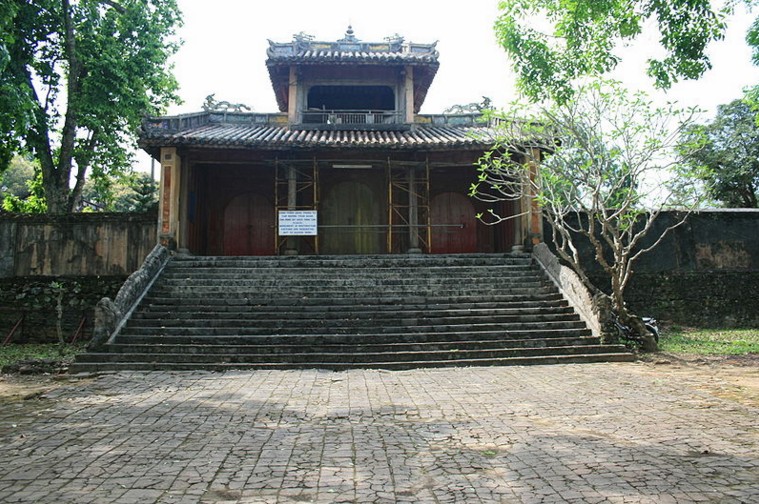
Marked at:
<point>88,255</point>
<point>705,273</point>
<point>74,245</point>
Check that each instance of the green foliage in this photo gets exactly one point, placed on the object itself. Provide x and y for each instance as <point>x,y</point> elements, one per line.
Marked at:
<point>710,341</point>
<point>15,102</point>
<point>15,180</point>
<point>728,163</point>
<point>581,38</point>
<point>83,75</point>
<point>36,296</point>
<point>32,199</point>
<point>13,354</point>
<point>752,39</point>
<point>133,192</point>
<point>607,156</point>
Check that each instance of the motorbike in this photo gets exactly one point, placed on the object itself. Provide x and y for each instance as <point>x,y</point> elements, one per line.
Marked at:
<point>628,334</point>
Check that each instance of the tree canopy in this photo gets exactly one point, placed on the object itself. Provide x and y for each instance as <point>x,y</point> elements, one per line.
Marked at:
<point>728,163</point>
<point>76,80</point>
<point>606,155</point>
<point>552,43</point>
<point>133,192</point>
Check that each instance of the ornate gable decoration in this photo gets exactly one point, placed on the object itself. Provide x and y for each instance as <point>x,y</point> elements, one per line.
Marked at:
<point>305,49</point>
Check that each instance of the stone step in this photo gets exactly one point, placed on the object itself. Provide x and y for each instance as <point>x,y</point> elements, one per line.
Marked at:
<point>355,282</point>
<point>296,320</point>
<point>221,329</point>
<point>178,268</point>
<point>347,338</point>
<point>167,365</point>
<point>392,312</point>
<point>151,311</point>
<point>374,261</point>
<point>287,347</point>
<point>190,292</point>
<point>358,357</point>
<point>508,300</point>
<point>361,304</point>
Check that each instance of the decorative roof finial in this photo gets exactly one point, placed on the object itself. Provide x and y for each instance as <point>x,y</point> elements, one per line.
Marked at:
<point>349,35</point>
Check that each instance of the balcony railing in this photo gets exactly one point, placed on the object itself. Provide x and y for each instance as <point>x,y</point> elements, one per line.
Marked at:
<point>348,118</point>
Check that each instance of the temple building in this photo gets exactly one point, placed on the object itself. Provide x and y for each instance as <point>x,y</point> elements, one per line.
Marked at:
<point>347,165</point>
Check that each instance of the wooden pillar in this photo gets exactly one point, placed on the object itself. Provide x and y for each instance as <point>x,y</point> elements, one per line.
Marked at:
<point>409,94</point>
<point>534,224</point>
<point>413,213</point>
<point>291,246</point>
<point>168,216</point>
<point>292,101</point>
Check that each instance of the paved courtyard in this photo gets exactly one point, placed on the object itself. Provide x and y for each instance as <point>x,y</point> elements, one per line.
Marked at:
<point>569,433</point>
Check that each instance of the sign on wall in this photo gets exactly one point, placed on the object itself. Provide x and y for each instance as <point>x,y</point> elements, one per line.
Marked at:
<point>297,223</point>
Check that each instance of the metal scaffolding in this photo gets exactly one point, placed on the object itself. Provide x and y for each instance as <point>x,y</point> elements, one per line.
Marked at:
<point>296,187</point>
<point>408,207</point>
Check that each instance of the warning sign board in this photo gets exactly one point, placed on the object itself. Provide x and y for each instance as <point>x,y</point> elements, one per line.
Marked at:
<point>297,223</point>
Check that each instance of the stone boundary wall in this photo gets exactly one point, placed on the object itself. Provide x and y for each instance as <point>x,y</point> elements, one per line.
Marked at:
<point>89,255</point>
<point>705,272</point>
<point>34,298</point>
<point>570,285</point>
<point>76,245</point>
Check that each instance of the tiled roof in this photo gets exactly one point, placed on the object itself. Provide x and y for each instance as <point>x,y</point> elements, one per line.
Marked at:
<point>272,137</point>
<point>356,56</point>
<point>303,49</point>
<point>250,130</point>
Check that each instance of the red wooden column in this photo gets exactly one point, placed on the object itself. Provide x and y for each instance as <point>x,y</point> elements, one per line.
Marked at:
<point>413,213</point>
<point>291,244</point>
<point>168,216</point>
<point>293,113</point>
<point>534,221</point>
<point>409,93</point>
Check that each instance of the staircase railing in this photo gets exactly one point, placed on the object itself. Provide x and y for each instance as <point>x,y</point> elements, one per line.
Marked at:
<point>570,286</point>
<point>111,315</point>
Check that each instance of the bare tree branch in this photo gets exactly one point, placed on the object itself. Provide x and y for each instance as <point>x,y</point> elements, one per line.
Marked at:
<point>599,185</point>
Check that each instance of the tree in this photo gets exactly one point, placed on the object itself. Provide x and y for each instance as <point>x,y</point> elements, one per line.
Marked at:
<point>82,75</point>
<point>607,154</point>
<point>21,187</point>
<point>581,38</point>
<point>134,192</point>
<point>15,180</point>
<point>728,163</point>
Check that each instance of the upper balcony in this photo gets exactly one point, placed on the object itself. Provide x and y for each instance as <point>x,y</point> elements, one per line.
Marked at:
<point>352,120</point>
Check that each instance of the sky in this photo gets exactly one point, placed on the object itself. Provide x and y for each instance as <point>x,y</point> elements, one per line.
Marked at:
<point>225,41</point>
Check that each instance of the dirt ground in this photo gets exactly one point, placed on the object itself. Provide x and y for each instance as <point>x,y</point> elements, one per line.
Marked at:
<point>735,377</point>
<point>728,377</point>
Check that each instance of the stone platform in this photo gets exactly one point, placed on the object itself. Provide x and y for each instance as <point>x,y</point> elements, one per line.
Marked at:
<point>590,433</point>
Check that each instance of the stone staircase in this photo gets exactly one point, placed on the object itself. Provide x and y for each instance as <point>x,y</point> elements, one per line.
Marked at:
<point>392,312</point>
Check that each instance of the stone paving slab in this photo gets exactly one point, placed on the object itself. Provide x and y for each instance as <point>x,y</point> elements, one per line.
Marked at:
<point>567,433</point>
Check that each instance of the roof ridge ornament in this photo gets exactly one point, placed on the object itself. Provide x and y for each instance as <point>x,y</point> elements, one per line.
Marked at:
<point>349,36</point>
<point>395,38</point>
<point>303,37</point>
<point>213,105</point>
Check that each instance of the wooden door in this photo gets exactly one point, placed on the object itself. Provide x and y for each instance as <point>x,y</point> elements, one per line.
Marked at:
<point>351,216</point>
<point>454,225</point>
<point>249,226</point>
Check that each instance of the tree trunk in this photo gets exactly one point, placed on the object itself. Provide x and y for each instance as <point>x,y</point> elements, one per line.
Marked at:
<point>626,317</point>
<point>60,181</point>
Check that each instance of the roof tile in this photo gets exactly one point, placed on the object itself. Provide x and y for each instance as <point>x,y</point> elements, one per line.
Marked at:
<point>259,136</point>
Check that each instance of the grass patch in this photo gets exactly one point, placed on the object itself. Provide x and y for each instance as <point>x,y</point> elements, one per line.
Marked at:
<point>709,341</point>
<point>13,354</point>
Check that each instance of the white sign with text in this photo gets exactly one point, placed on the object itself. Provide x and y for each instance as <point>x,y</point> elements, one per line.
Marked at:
<point>297,223</point>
